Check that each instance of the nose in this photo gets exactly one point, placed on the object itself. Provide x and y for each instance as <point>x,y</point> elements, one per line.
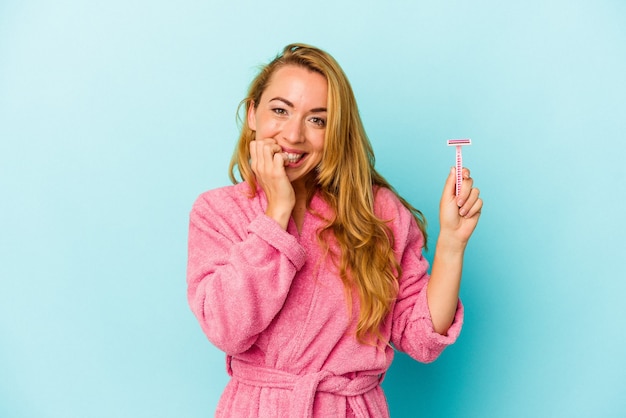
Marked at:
<point>292,131</point>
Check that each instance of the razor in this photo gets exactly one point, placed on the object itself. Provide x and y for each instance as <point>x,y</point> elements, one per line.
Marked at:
<point>458,143</point>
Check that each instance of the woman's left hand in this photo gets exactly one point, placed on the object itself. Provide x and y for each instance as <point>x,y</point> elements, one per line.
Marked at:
<point>458,215</point>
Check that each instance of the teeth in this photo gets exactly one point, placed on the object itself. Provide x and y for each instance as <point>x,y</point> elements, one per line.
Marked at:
<point>293,158</point>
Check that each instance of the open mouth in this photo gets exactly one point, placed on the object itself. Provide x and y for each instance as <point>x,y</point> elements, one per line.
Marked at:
<point>293,158</point>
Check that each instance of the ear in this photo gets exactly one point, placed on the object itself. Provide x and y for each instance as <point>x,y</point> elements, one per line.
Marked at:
<point>252,116</point>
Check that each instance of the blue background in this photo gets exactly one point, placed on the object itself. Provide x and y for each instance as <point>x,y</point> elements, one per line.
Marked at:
<point>115,115</point>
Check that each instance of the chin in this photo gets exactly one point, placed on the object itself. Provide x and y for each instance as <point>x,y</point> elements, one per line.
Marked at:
<point>300,176</point>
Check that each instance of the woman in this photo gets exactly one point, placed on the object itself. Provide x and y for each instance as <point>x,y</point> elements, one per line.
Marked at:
<point>310,272</point>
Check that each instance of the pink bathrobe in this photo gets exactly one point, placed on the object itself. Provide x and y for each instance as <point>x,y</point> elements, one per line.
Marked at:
<point>277,308</point>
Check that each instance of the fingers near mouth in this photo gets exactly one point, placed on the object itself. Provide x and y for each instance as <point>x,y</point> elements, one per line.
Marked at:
<point>285,157</point>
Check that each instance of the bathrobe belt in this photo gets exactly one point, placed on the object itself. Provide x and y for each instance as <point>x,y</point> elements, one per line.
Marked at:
<point>304,387</point>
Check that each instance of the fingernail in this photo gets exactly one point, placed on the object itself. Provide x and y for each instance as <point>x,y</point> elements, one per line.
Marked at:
<point>462,212</point>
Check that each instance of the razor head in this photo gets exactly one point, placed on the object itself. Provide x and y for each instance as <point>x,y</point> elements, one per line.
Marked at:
<point>459,142</point>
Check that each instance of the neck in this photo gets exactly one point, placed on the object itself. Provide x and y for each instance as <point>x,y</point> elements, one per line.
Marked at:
<point>301,188</point>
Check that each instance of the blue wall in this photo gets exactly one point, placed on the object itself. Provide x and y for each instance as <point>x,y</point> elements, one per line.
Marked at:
<point>115,115</point>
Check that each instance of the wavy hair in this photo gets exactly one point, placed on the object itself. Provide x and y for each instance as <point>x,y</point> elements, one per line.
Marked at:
<point>346,179</point>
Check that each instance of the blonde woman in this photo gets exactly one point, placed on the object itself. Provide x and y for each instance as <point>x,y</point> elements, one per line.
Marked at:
<point>309,272</point>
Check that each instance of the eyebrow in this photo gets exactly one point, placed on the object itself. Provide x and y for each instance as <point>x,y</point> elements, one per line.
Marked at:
<point>288,103</point>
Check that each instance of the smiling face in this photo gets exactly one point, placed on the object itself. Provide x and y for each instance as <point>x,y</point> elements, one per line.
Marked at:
<point>292,111</point>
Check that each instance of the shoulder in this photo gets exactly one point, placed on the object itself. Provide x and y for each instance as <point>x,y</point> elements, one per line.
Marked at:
<point>226,205</point>
<point>388,206</point>
<point>223,197</point>
<point>390,209</point>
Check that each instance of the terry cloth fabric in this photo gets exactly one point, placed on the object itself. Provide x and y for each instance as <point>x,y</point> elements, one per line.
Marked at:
<point>273,302</point>
<point>304,387</point>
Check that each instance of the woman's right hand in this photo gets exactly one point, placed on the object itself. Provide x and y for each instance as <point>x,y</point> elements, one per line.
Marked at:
<point>268,164</point>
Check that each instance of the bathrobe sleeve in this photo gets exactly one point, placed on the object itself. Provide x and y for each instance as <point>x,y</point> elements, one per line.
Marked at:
<point>412,330</point>
<point>240,267</point>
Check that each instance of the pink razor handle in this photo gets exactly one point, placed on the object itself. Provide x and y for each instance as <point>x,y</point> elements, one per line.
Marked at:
<point>458,143</point>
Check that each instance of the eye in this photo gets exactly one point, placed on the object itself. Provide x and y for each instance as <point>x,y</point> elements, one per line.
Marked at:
<point>318,121</point>
<point>279,111</point>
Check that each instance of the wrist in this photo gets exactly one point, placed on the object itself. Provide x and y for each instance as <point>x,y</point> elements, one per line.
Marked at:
<point>448,244</point>
<point>280,215</point>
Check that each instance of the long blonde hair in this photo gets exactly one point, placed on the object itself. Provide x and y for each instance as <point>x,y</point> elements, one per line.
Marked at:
<point>346,179</point>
